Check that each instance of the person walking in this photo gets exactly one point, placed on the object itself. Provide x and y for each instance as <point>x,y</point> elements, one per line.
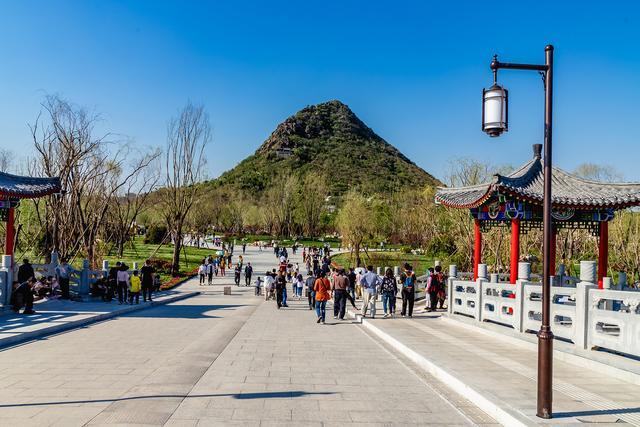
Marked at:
<point>370,282</point>
<point>210,271</point>
<point>436,286</point>
<point>311,280</point>
<point>147,275</point>
<point>123,283</point>
<point>408,291</point>
<point>298,283</point>
<point>202,272</point>
<point>322,289</point>
<point>223,265</point>
<point>134,288</point>
<point>268,285</point>
<point>281,288</point>
<point>248,271</point>
<point>339,288</point>
<point>389,290</point>
<point>258,285</point>
<point>237,271</point>
<point>63,275</point>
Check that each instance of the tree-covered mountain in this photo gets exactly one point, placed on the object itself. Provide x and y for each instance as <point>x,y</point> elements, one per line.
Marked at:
<point>330,141</point>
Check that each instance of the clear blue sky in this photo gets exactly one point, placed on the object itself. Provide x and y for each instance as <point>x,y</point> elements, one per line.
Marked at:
<point>413,71</point>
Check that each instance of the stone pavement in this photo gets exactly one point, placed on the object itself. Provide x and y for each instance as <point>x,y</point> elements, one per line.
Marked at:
<point>282,368</point>
<point>55,316</point>
<point>220,360</point>
<point>504,373</point>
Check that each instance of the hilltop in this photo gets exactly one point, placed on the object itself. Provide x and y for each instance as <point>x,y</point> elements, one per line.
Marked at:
<point>329,140</point>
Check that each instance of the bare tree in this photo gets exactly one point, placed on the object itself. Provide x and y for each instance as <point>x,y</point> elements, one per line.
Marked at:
<point>142,177</point>
<point>187,137</point>
<point>89,168</point>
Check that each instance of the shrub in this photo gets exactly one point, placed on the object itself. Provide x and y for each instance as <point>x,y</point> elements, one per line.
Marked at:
<point>155,234</point>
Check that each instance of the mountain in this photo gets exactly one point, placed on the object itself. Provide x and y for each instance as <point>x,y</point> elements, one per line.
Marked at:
<point>327,139</point>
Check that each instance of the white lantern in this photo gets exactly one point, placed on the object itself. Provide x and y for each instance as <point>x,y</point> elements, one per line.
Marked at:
<point>495,110</point>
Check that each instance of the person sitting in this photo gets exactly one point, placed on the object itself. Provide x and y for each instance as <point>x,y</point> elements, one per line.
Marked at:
<point>41,288</point>
<point>23,296</point>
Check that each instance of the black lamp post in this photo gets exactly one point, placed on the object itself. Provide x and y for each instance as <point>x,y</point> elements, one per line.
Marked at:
<point>494,123</point>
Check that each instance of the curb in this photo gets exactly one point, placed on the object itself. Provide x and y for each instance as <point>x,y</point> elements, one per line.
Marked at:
<point>493,409</point>
<point>52,330</point>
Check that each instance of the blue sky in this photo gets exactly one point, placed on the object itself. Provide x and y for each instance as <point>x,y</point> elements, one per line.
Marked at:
<point>413,71</point>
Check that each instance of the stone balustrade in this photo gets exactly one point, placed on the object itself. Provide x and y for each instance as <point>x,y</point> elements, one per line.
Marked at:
<point>582,314</point>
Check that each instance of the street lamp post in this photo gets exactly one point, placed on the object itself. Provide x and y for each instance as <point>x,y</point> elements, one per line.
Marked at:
<point>494,123</point>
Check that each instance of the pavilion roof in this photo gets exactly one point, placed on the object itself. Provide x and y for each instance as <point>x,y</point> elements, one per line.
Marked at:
<point>527,183</point>
<point>26,187</point>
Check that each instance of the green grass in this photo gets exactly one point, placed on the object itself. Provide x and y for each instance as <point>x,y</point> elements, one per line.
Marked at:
<point>420,263</point>
<point>139,252</point>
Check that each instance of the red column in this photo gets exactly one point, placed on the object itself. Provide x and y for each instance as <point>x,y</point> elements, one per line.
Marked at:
<point>477,247</point>
<point>552,264</point>
<point>10,236</point>
<point>515,249</point>
<point>603,252</point>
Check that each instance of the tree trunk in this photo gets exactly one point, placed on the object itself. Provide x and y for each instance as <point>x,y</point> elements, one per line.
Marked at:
<point>356,249</point>
<point>177,247</point>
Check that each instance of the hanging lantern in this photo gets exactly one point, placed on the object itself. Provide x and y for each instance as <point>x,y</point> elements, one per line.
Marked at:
<point>495,110</point>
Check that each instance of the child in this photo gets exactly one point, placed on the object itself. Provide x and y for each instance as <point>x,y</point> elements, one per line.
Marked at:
<point>134,287</point>
<point>258,285</point>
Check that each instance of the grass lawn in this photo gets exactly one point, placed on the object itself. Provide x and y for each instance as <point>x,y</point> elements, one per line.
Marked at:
<point>420,263</point>
<point>139,252</point>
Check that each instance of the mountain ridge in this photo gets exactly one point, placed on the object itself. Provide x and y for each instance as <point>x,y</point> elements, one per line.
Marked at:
<point>327,139</point>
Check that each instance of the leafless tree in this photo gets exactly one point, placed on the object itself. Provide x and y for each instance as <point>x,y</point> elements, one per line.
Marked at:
<point>187,138</point>
<point>131,199</point>
<point>92,170</point>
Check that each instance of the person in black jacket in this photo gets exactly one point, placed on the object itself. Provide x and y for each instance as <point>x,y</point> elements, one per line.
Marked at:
<point>25,271</point>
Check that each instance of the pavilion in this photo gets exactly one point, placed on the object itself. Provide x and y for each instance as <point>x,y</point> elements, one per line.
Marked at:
<point>515,200</point>
<point>13,188</point>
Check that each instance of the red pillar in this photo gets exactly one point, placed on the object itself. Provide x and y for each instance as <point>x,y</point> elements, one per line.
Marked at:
<point>477,247</point>
<point>603,252</point>
<point>515,249</point>
<point>552,264</point>
<point>10,236</point>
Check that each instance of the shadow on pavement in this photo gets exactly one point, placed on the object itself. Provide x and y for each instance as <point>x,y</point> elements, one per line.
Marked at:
<point>596,412</point>
<point>241,396</point>
<point>183,311</point>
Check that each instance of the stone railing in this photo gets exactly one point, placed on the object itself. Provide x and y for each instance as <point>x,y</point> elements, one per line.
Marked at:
<point>582,314</point>
<point>79,283</point>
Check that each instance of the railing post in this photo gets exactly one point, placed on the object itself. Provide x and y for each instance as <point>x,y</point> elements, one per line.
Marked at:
<point>7,283</point>
<point>55,261</point>
<point>482,271</point>
<point>480,292</point>
<point>105,268</point>
<point>378,271</point>
<point>84,286</point>
<point>495,278</point>
<point>524,275</point>
<point>583,288</point>
<point>453,274</point>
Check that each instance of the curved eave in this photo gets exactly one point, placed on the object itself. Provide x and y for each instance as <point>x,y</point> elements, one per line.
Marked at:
<point>469,205</point>
<point>22,187</point>
<point>623,204</point>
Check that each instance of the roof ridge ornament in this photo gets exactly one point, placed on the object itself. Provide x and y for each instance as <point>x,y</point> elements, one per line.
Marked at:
<point>537,151</point>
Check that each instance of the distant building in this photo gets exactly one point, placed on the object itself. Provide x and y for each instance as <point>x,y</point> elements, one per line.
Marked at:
<point>284,152</point>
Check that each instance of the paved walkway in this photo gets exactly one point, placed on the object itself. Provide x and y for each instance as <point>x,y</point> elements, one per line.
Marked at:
<point>505,374</point>
<point>54,316</point>
<point>224,360</point>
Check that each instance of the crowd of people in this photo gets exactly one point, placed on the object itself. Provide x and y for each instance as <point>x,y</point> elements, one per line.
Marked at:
<point>119,282</point>
<point>218,265</point>
<point>325,282</point>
